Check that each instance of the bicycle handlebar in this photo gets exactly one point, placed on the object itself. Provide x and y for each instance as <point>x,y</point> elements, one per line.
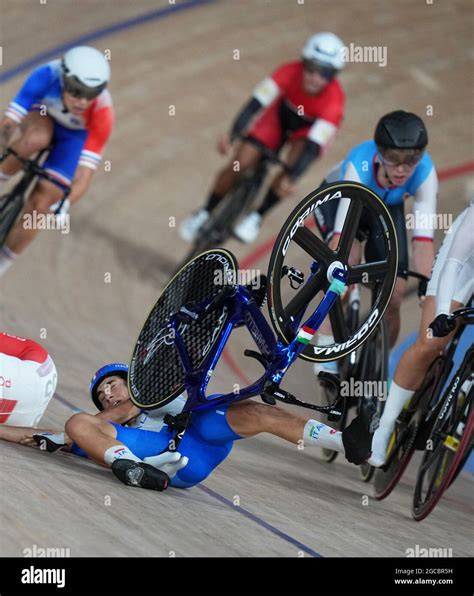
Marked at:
<point>466,314</point>
<point>31,165</point>
<point>419,276</point>
<point>268,154</point>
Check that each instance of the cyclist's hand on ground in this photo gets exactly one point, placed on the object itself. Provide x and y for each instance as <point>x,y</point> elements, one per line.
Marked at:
<point>169,462</point>
<point>28,441</point>
<point>224,144</point>
<point>49,442</point>
<point>442,326</point>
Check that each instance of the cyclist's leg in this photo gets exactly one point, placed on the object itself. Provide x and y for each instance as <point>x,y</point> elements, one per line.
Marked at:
<point>409,374</point>
<point>277,190</point>
<point>36,132</point>
<point>249,418</point>
<point>105,441</point>
<point>61,164</point>
<point>245,157</point>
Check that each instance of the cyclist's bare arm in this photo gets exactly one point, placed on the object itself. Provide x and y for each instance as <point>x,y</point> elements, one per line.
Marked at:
<point>7,128</point>
<point>121,414</point>
<point>24,434</point>
<point>461,251</point>
<point>262,96</point>
<point>81,182</point>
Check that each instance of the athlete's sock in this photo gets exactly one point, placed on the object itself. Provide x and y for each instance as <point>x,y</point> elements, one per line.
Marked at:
<point>119,452</point>
<point>7,258</point>
<point>270,200</point>
<point>397,398</point>
<point>318,433</point>
<point>212,201</point>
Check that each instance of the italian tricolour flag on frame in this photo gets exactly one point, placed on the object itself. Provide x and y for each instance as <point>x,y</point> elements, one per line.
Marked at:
<point>305,335</point>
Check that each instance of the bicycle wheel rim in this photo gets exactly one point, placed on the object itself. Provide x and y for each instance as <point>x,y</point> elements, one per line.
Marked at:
<point>281,320</point>
<point>385,480</point>
<point>156,376</point>
<point>448,462</point>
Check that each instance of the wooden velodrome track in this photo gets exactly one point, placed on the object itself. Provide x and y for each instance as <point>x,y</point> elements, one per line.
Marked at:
<point>268,498</point>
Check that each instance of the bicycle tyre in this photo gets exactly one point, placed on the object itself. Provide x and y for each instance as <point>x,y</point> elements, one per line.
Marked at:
<point>156,375</point>
<point>293,229</point>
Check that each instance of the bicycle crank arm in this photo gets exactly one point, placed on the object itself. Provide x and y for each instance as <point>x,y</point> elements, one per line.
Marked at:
<point>333,411</point>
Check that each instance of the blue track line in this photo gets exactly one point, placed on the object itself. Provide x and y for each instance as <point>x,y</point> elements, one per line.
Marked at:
<point>102,32</point>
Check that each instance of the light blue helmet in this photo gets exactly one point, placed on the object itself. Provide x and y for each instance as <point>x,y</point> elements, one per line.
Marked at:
<point>115,368</point>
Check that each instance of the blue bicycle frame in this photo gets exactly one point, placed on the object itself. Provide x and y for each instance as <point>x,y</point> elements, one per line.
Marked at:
<point>275,356</point>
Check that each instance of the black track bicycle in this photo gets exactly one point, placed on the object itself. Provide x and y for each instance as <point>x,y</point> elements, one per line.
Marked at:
<point>237,202</point>
<point>450,441</point>
<point>429,423</point>
<point>183,337</point>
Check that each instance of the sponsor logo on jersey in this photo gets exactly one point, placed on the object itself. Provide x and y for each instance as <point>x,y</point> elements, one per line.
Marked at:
<point>5,382</point>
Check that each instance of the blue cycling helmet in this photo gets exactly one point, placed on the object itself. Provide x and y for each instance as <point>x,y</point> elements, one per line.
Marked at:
<point>115,368</point>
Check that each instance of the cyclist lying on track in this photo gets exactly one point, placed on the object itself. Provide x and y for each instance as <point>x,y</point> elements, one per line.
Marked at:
<point>130,441</point>
<point>28,380</point>
<point>450,287</point>
<point>78,121</point>
<point>303,105</point>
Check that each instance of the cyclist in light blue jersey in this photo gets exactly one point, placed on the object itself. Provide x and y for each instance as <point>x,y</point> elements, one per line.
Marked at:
<point>396,166</point>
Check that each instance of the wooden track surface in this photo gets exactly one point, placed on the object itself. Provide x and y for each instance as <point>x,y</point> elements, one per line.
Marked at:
<point>161,167</point>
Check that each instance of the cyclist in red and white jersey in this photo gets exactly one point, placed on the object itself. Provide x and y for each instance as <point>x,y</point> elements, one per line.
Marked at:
<point>28,380</point>
<point>303,105</point>
<point>451,286</point>
<point>63,103</point>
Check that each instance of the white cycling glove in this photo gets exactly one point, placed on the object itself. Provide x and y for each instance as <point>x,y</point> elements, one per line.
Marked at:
<point>169,462</point>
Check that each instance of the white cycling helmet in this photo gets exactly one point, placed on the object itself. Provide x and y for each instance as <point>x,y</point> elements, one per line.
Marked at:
<point>86,72</point>
<point>325,50</point>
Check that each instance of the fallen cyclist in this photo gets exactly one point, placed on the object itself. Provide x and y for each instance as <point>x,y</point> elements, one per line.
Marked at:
<point>135,443</point>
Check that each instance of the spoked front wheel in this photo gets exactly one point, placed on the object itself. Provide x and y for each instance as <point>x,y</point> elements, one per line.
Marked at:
<point>299,249</point>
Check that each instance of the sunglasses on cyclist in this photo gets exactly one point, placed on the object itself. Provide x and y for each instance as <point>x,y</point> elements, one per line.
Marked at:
<point>401,158</point>
<point>326,72</point>
<point>78,90</point>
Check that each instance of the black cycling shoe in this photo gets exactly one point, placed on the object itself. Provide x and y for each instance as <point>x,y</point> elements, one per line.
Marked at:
<point>135,473</point>
<point>357,437</point>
